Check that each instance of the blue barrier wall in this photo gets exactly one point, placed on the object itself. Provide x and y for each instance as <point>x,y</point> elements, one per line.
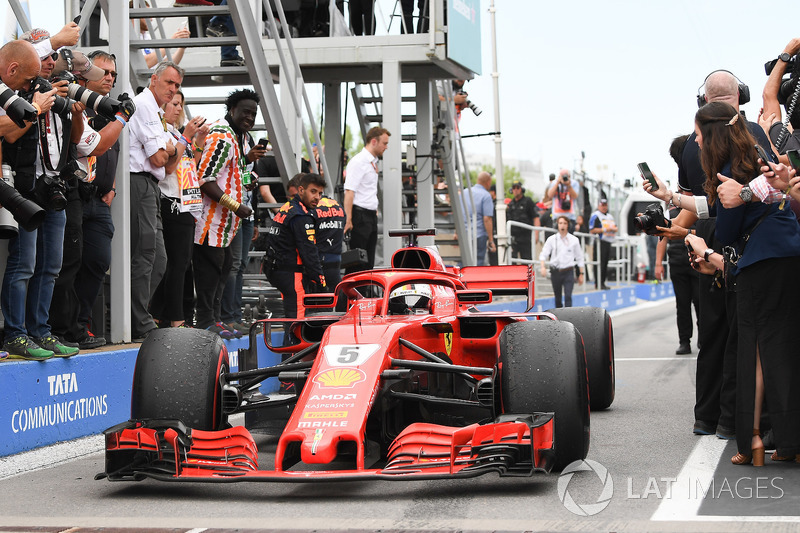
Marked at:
<point>44,402</point>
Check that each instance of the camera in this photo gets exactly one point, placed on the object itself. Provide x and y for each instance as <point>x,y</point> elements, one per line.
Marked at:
<point>102,105</point>
<point>788,85</point>
<point>50,192</point>
<point>475,109</point>
<point>18,109</point>
<point>62,106</point>
<point>17,209</point>
<point>653,216</point>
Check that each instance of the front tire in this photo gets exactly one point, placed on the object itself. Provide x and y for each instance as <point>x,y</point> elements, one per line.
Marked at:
<point>594,325</point>
<point>177,377</point>
<point>542,368</point>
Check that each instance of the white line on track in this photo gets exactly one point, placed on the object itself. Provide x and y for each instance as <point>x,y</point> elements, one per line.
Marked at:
<point>694,478</point>
<point>618,359</point>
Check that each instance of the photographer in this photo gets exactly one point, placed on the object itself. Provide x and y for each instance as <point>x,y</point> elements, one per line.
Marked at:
<point>87,213</point>
<point>19,65</point>
<point>43,155</point>
<point>775,90</point>
<point>563,196</point>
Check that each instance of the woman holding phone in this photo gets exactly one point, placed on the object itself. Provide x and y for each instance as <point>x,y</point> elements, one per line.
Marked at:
<point>765,241</point>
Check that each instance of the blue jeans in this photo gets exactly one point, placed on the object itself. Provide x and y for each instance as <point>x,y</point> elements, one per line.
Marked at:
<point>226,52</point>
<point>481,245</point>
<point>232,294</point>
<point>34,261</point>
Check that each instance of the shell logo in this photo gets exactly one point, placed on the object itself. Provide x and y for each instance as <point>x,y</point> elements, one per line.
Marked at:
<point>340,377</point>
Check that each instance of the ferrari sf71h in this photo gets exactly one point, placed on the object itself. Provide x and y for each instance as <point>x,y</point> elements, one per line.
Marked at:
<point>396,375</point>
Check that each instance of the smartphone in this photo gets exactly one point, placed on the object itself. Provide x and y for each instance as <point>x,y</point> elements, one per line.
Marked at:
<point>794,159</point>
<point>763,155</point>
<point>262,142</point>
<point>644,170</point>
<point>77,20</point>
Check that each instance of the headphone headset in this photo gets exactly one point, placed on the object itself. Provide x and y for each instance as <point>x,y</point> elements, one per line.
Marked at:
<point>744,90</point>
<point>95,53</point>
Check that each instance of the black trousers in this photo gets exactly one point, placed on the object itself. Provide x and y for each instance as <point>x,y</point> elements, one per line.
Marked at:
<point>211,268</point>
<point>167,304</point>
<point>712,335</point>
<point>361,17</point>
<point>290,284</point>
<point>563,279</point>
<point>685,286</point>
<point>605,255</point>
<point>64,304</point>
<point>364,235</point>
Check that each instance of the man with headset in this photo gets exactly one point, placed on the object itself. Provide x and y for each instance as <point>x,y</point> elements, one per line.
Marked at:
<point>716,359</point>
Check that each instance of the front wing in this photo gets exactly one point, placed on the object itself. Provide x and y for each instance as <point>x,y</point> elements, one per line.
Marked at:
<point>513,445</point>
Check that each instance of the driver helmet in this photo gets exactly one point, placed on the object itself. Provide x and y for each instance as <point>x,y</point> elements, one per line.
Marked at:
<point>408,299</point>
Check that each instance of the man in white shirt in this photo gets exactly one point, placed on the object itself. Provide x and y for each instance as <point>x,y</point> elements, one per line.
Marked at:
<point>361,195</point>
<point>151,148</point>
<point>564,252</point>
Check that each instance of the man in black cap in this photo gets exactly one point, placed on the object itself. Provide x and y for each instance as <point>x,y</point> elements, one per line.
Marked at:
<point>521,209</point>
<point>601,223</point>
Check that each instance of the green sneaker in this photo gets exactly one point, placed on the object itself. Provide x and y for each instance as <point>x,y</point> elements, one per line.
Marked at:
<point>51,342</point>
<point>24,348</point>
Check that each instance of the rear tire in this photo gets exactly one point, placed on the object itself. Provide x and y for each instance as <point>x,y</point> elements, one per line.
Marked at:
<point>595,327</point>
<point>542,369</point>
<point>177,377</point>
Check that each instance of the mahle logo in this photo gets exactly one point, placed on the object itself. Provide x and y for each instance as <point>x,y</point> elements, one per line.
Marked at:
<point>586,509</point>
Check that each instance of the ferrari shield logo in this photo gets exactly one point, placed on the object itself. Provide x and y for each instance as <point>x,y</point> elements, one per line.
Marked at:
<point>448,342</point>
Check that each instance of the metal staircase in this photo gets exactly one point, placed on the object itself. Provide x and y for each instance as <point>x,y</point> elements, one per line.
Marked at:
<point>446,159</point>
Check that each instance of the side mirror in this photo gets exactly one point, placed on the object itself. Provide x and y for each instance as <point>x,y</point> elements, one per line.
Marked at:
<point>319,301</point>
<point>474,297</point>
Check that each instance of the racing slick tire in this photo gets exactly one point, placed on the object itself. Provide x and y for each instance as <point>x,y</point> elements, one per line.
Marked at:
<point>542,369</point>
<point>177,377</point>
<point>594,325</point>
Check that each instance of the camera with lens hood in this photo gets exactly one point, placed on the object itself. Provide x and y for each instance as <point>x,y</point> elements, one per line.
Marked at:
<point>61,107</point>
<point>18,109</point>
<point>16,208</point>
<point>102,105</point>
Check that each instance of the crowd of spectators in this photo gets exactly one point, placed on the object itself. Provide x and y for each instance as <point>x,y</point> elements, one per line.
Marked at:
<point>191,200</point>
<point>742,199</point>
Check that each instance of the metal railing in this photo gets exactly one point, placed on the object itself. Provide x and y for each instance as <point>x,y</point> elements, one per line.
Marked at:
<point>590,243</point>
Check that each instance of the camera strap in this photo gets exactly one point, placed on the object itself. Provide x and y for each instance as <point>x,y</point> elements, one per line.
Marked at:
<point>45,146</point>
<point>789,111</point>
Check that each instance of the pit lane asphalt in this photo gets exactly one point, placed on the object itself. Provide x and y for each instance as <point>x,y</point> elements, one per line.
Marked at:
<point>664,478</point>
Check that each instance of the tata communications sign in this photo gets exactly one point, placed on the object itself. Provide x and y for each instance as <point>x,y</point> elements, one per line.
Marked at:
<point>44,402</point>
<point>464,33</point>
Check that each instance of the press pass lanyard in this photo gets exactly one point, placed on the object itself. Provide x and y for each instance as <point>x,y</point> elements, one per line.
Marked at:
<point>44,146</point>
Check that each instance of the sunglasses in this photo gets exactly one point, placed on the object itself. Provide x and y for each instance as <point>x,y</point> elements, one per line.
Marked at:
<point>54,56</point>
<point>107,72</point>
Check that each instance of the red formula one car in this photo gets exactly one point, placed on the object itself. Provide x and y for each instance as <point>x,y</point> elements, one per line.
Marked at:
<point>400,376</point>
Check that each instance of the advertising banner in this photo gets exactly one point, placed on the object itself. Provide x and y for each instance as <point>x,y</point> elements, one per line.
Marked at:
<point>464,33</point>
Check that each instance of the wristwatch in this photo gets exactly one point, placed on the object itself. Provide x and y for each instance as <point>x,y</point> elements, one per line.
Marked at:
<point>746,194</point>
<point>707,254</point>
<point>784,57</point>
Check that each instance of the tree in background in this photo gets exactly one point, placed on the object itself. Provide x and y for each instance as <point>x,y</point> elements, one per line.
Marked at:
<point>510,175</point>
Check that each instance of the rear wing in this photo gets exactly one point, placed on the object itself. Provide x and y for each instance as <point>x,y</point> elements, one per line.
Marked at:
<point>507,280</point>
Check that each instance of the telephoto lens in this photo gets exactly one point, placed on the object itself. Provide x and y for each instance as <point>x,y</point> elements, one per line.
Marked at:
<point>18,109</point>
<point>16,208</point>
<point>103,105</point>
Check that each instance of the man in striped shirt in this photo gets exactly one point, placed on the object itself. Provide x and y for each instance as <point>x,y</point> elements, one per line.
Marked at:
<point>228,154</point>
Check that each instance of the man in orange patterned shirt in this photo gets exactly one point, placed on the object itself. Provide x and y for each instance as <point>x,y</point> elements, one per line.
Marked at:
<point>227,155</point>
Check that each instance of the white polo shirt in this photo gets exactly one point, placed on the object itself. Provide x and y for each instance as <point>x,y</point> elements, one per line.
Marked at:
<point>362,179</point>
<point>147,134</point>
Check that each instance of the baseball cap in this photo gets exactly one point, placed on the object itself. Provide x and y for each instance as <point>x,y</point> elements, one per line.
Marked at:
<point>80,65</point>
<point>603,200</point>
<point>37,36</point>
<point>516,183</point>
